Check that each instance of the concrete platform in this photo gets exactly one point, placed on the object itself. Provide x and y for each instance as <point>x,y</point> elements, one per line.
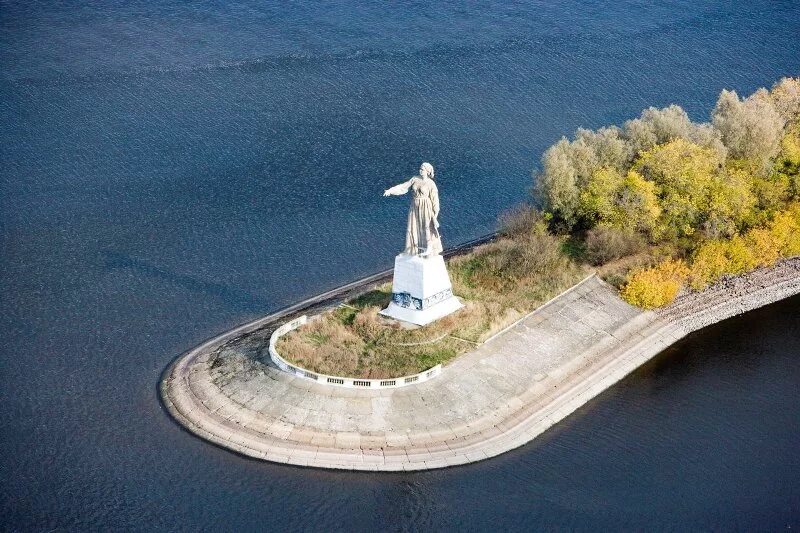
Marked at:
<point>488,401</point>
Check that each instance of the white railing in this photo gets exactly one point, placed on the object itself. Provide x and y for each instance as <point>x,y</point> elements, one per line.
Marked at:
<point>337,381</point>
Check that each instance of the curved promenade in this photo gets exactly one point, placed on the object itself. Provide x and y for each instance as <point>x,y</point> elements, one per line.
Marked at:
<point>493,399</point>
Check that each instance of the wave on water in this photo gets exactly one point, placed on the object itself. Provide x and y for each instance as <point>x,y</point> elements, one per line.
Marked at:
<point>556,45</point>
<point>289,60</point>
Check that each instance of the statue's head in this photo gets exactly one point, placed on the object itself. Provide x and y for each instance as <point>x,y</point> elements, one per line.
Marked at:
<point>426,170</point>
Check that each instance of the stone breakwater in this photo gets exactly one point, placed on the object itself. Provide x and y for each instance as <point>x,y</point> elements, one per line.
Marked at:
<point>493,399</point>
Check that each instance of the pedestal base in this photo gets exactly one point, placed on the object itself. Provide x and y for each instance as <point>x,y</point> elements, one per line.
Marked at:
<point>421,290</point>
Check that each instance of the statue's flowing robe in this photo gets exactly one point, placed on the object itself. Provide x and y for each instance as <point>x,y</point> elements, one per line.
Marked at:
<point>422,235</point>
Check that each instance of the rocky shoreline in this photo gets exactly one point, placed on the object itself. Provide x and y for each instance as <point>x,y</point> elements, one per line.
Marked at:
<point>488,401</point>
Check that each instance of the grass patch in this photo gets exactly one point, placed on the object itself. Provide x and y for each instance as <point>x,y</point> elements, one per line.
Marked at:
<point>379,297</point>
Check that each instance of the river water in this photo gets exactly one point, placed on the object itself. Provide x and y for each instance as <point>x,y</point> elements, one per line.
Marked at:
<point>170,170</point>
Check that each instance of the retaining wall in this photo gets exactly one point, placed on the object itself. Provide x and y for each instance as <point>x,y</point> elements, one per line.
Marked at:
<point>340,381</point>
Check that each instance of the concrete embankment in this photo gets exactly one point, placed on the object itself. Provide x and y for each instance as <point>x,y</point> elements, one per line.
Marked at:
<point>493,399</point>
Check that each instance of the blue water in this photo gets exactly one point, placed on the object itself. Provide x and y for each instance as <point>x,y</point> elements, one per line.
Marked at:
<point>170,170</point>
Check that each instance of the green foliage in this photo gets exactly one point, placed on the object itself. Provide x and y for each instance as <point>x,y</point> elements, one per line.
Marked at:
<point>522,220</point>
<point>731,204</point>
<point>498,283</point>
<point>502,264</point>
<point>787,165</point>
<point>379,297</point>
<point>710,200</point>
<point>574,247</point>
<point>569,165</point>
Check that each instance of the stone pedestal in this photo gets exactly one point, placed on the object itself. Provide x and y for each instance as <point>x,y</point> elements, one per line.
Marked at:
<point>421,290</point>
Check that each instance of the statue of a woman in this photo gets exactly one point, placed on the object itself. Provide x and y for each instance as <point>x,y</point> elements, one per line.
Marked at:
<point>422,235</point>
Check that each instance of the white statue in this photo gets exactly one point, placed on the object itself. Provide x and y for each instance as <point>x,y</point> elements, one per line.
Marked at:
<point>422,235</point>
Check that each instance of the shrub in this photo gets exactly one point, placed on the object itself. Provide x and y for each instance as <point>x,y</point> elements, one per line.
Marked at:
<point>758,247</point>
<point>785,230</point>
<point>771,194</point>
<point>714,259</point>
<point>514,259</point>
<point>787,165</point>
<point>742,257</point>
<point>655,286</point>
<point>521,221</point>
<point>708,264</point>
<point>604,244</point>
<point>768,250</point>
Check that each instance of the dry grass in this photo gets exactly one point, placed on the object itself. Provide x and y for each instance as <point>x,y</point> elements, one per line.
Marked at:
<point>604,245</point>
<point>616,272</point>
<point>326,346</point>
<point>498,283</point>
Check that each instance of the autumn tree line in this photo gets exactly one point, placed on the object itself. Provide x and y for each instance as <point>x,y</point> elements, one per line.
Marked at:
<point>692,201</point>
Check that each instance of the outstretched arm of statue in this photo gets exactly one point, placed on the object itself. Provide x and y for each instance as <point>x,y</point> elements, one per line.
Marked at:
<point>398,190</point>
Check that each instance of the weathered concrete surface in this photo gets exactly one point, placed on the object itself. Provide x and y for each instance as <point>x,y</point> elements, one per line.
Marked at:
<point>491,400</point>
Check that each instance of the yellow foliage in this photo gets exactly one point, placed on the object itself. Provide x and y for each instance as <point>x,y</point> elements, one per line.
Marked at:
<point>741,257</point>
<point>790,147</point>
<point>638,199</point>
<point>762,240</point>
<point>597,198</point>
<point>785,230</point>
<point>793,209</point>
<point>731,204</point>
<point>714,259</point>
<point>758,247</point>
<point>685,174</point>
<point>628,203</point>
<point>787,165</point>
<point>709,264</point>
<point>655,286</point>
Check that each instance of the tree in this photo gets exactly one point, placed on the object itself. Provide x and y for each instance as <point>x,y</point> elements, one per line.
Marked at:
<point>684,173</point>
<point>785,97</point>
<point>568,166</point>
<point>598,199</point>
<point>751,128</point>
<point>659,126</point>
<point>731,204</point>
<point>556,185</point>
<point>787,165</point>
<point>624,202</point>
<point>606,147</point>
